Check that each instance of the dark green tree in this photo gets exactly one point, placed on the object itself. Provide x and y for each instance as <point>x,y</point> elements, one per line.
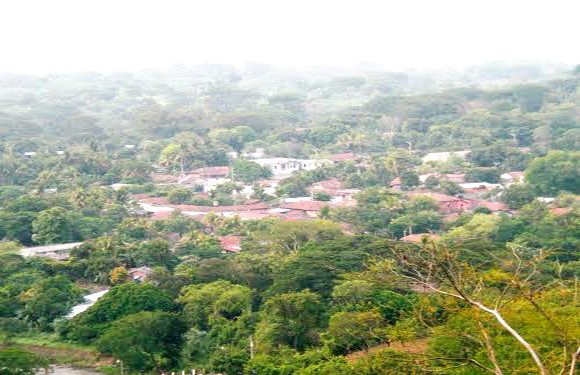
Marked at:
<point>145,341</point>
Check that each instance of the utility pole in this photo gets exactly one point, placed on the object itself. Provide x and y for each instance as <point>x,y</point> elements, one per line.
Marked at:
<point>251,347</point>
<point>121,364</point>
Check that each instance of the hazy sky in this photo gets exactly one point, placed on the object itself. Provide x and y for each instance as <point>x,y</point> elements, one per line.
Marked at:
<point>76,35</point>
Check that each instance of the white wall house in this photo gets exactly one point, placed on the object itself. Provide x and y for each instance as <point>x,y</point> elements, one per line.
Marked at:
<point>287,166</point>
<point>444,156</point>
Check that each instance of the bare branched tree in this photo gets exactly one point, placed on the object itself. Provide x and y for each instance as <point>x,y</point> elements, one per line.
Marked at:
<point>437,267</point>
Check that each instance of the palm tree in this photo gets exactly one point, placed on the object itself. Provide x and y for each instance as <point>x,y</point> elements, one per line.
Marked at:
<point>392,165</point>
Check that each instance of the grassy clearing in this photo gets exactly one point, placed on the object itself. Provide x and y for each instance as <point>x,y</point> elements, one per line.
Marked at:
<point>59,352</point>
<point>48,340</point>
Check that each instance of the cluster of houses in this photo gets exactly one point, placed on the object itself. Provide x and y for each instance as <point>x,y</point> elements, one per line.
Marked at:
<point>203,180</point>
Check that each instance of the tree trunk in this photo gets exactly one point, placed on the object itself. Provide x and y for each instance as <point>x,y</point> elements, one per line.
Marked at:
<point>491,350</point>
<point>515,334</point>
<point>574,360</point>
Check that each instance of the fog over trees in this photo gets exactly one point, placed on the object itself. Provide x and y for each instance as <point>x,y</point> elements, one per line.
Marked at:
<point>254,219</point>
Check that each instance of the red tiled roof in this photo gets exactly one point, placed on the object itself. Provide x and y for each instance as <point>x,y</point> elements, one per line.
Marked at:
<point>161,215</point>
<point>231,243</point>
<point>560,211</point>
<point>344,156</point>
<point>162,178</point>
<point>305,205</point>
<point>331,184</point>
<point>155,200</point>
<point>396,182</point>
<point>295,217</point>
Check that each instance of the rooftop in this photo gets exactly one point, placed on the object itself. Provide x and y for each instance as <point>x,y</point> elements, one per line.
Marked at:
<point>346,156</point>
<point>306,205</point>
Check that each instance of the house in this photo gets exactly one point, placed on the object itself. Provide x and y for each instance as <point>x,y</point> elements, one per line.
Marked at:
<point>255,215</point>
<point>258,153</point>
<point>495,207</point>
<point>458,178</point>
<point>140,274</point>
<point>420,237</point>
<point>476,190</point>
<point>161,215</point>
<point>119,186</point>
<point>211,172</point>
<point>346,156</point>
<point>310,208</point>
<point>231,244</point>
<point>333,188</point>
<point>454,177</point>
<point>331,184</point>
<point>480,186</point>
<point>560,211</point>
<point>512,178</point>
<point>546,199</point>
<point>446,203</point>
<point>163,178</point>
<point>29,154</point>
<point>287,166</point>
<point>129,146</point>
<point>443,156</point>
<point>56,252</point>
<point>396,184</point>
<point>204,184</point>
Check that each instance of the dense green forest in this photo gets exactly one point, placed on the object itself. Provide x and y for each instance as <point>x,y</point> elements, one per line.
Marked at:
<point>341,292</point>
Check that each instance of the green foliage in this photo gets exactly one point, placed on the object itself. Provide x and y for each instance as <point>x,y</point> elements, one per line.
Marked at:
<point>249,171</point>
<point>54,225</point>
<point>15,361</point>
<point>530,98</point>
<point>409,180</point>
<point>179,196</point>
<point>288,319</point>
<point>554,173</point>
<point>208,303</point>
<point>298,289</point>
<point>517,195</point>
<point>144,341</point>
<point>198,244</point>
<point>490,175</point>
<point>120,301</point>
<point>349,331</point>
<point>480,226</point>
<point>49,299</point>
<point>323,197</point>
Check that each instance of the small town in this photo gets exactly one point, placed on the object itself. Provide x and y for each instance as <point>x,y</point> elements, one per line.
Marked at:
<point>289,188</point>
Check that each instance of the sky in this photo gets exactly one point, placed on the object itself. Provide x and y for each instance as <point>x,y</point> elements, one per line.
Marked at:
<point>41,36</point>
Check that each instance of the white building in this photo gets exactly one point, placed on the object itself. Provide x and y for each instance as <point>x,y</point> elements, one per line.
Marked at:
<point>287,166</point>
<point>444,156</point>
